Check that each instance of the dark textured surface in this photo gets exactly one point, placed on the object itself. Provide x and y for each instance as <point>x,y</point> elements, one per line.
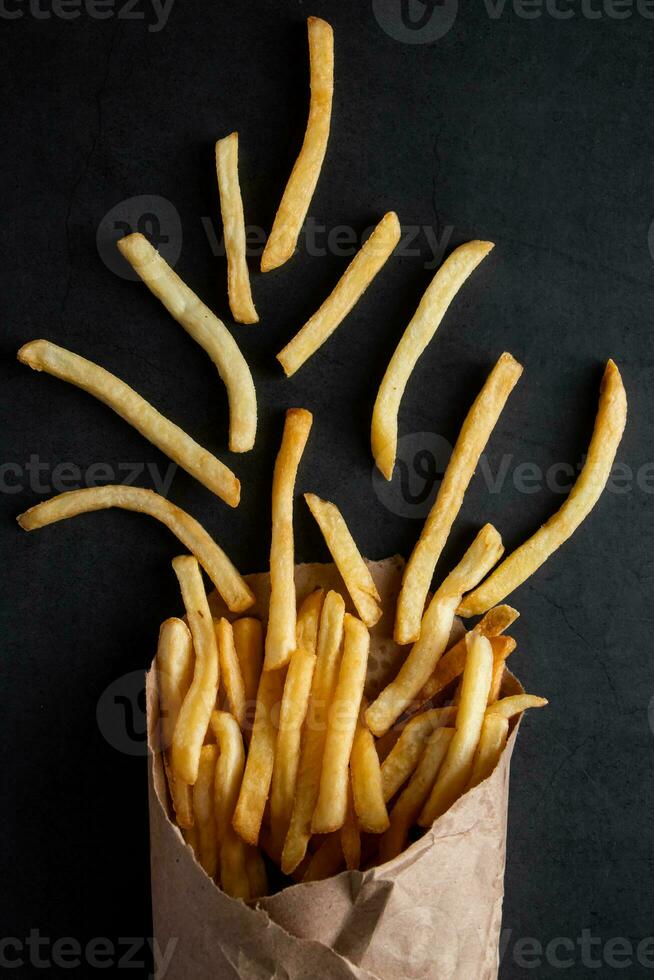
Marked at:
<point>534,133</point>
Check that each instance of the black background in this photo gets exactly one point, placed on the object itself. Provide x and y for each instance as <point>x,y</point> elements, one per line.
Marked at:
<point>533,133</point>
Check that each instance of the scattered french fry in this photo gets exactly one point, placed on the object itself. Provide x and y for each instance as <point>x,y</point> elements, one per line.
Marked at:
<point>475,433</point>
<point>435,632</point>
<point>522,563</point>
<point>230,670</point>
<point>492,740</point>
<point>426,320</point>
<point>174,675</point>
<point>351,835</point>
<point>367,783</point>
<point>200,700</point>
<point>348,290</point>
<point>229,583</point>
<point>515,704</point>
<point>280,636</point>
<point>231,207</point>
<point>248,640</point>
<point>206,330</point>
<point>203,808</point>
<point>354,571</point>
<point>229,776</point>
<point>304,176</point>
<point>403,758</point>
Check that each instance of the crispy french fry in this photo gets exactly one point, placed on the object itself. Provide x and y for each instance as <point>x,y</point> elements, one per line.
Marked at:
<point>351,835</point>
<point>475,433</point>
<point>206,330</point>
<point>426,320</point>
<point>304,176</point>
<point>203,807</point>
<point>308,621</point>
<point>41,355</point>
<point>492,740</point>
<point>525,560</point>
<point>280,636</point>
<point>412,799</point>
<point>230,670</point>
<point>248,640</point>
<point>403,758</point>
<point>515,704</point>
<point>354,571</point>
<point>367,783</point>
<point>499,657</point>
<point>231,207</point>
<point>256,872</point>
<point>307,787</point>
<point>174,674</point>
<point>261,757</point>
<point>332,799</point>
<point>348,290</point>
<point>229,776</point>
<point>327,860</point>
<point>454,774</point>
<point>229,583</point>
<point>435,632</point>
<point>200,700</point>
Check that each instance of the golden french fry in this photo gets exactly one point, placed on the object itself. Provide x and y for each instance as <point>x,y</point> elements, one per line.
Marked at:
<point>203,807</point>
<point>256,872</point>
<point>261,757</point>
<point>475,433</point>
<point>387,742</point>
<point>414,673</point>
<point>174,674</point>
<point>206,330</point>
<point>412,799</point>
<point>499,656</point>
<point>229,775</point>
<point>343,714</point>
<point>307,787</point>
<point>304,176</point>
<point>515,704</point>
<point>354,571</point>
<point>348,290</point>
<point>200,700</point>
<point>403,757</point>
<point>525,560</point>
<point>454,774</point>
<point>351,835</point>
<point>426,320</point>
<point>308,621</point>
<point>191,836</point>
<point>230,670</point>
<point>231,208</point>
<point>41,355</point>
<point>280,636</point>
<point>229,583</point>
<point>327,860</point>
<point>492,740</point>
<point>248,640</point>
<point>367,783</point>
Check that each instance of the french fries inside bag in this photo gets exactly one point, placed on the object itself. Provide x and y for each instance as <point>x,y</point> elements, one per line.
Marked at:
<point>433,911</point>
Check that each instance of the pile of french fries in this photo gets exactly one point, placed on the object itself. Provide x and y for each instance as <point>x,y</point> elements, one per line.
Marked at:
<point>270,746</point>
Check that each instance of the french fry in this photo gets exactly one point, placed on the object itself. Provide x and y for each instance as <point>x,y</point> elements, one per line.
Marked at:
<point>230,670</point>
<point>354,571</point>
<point>261,757</point>
<point>519,566</point>
<point>191,836</point>
<point>280,636</point>
<point>475,433</point>
<point>230,584</point>
<point>206,330</point>
<point>200,700</point>
<point>454,774</point>
<point>367,783</point>
<point>231,207</point>
<point>203,808</point>
<point>332,799</point>
<point>426,320</point>
<point>308,621</point>
<point>351,835</point>
<point>229,775</point>
<point>492,740</point>
<point>348,290</point>
<point>435,632</point>
<point>174,674</point>
<point>403,758</point>
<point>256,872</point>
<point>327,860</point>
<point>499,658</point>
<point>515,704</point>
<point>248,640</point>
<point>304,176</point>
<point>307,787</point>
<point>41,355</point>
<point>412,799</point>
